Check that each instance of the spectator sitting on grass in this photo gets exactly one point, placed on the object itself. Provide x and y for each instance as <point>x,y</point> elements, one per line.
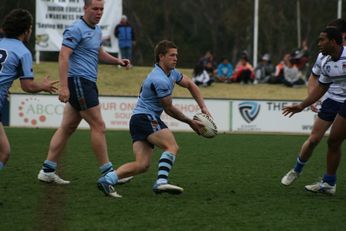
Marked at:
<point>244,72</point>
<point>224,71</point>
<point>201,76</point>
<point>292,75</point>
<point>264,70</point>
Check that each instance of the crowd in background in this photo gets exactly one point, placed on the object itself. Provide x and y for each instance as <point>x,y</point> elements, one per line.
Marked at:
<point>290,71</point>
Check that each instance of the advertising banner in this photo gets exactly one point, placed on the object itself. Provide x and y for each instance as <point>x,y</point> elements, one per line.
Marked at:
<point>266,116</point>
<point>53,16</point>
<point>46,111</point>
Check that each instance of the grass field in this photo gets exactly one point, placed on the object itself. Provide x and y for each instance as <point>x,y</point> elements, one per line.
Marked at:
<point>232,182</point>
<point>121,82</point>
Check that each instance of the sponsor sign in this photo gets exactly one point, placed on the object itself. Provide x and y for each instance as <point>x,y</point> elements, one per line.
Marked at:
<point>53,16</point>
<point>47,110</point>
<point>266,116</point>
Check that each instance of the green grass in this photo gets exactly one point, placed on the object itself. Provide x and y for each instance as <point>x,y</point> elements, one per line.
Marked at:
<point>231,182</point>
<point>121,82</point>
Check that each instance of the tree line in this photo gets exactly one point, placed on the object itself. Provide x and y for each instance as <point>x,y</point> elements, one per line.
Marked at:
<point>222,26</point>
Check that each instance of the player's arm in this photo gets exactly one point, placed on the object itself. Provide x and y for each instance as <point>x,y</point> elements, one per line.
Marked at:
<point>107,58</point>
<point>312,83</point>
<point>27,82</point>
<point>315,94</point>
<point>64,56</point>
<point>174,112</point>
<point>195,92</point>
<point>31,86</point>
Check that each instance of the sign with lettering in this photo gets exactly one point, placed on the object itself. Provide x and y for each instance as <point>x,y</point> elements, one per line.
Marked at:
<point>53,16</point>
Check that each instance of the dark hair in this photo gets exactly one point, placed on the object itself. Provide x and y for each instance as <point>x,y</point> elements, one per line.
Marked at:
<point>339,24</point>
<point>223,59</point>
<point>198,69</point>
<point>162,48</point>
<point>17,22</point>
<point>333,34</point>
<point>87,2</point>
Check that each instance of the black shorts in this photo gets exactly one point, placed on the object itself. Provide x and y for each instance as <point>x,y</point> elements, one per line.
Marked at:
<point>342,110</point>
<point>83,93</point>
<point>142,125</point>
<point>329,109</point>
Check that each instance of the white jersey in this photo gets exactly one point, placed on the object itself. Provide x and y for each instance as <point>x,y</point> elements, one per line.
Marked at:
<point>333,73</point>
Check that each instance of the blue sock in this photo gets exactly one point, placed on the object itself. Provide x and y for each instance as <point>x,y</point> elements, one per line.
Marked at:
<point>1,165</point>
<point>108,172</point>
<point>165,165</point>
<point>49,166</point>
<point>106,168</point>
<point>299,165</point>
<point>330,179</point>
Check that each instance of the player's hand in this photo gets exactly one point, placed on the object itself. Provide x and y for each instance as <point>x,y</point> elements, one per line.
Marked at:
<point>49,86</point>
<point>196,125</point>
<point>205,111</point>
<point>291,110</point>
<point>314,107</point>
<point>64,94</point>
<point>125,63</point>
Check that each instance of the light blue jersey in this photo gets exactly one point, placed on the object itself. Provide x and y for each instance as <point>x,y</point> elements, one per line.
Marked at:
<point>85,41</point>
<point>15,62</point>
<point>156,86</point>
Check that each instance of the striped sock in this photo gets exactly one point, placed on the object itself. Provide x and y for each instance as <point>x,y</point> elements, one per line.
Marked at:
<point>165,165</point>
<point>299,165</point>
<point>49,166</point>
<point>330,179</point>
<point>106,168</point>
<point>108,172</point>
<point>1,165</point>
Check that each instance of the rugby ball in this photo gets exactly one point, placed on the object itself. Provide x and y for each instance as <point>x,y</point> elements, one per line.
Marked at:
<point>210,129</point>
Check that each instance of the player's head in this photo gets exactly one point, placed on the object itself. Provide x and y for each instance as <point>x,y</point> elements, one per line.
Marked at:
<point>166,54</point>
<point>339,24</point>
<point>93,11</point>
<point>18,22</point>
<point>330,39</point>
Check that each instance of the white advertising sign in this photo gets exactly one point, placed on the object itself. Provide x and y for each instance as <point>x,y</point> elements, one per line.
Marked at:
<point>46,111</point>
<point>53,16</point>
<point>266,116</point>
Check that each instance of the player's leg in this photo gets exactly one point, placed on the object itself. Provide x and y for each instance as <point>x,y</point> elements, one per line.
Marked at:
<point>143,152</point>
<point>336,137</point>
<point>166,141</point>
<point>4,147</point>
<point>97,133</point>
<point>324,120</point>
<point>69,124</point>
<point>319,128</point>
<point>99,145</point>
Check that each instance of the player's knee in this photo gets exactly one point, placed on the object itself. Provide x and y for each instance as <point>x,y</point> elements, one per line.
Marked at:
<point>313,141</point>
<point>99,126</point>
<point>68,130</point>
<point>143,167</point>
<point>173,149</point>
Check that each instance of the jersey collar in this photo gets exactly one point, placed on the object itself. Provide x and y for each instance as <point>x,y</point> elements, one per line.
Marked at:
<point>92,27</point>
<point>158,66</point>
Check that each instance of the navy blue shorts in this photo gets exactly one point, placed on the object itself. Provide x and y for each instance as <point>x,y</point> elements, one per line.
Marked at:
<point>329,109</point>
<point>142,125</point>
<point>83,93</point>
<point>342,110</point>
